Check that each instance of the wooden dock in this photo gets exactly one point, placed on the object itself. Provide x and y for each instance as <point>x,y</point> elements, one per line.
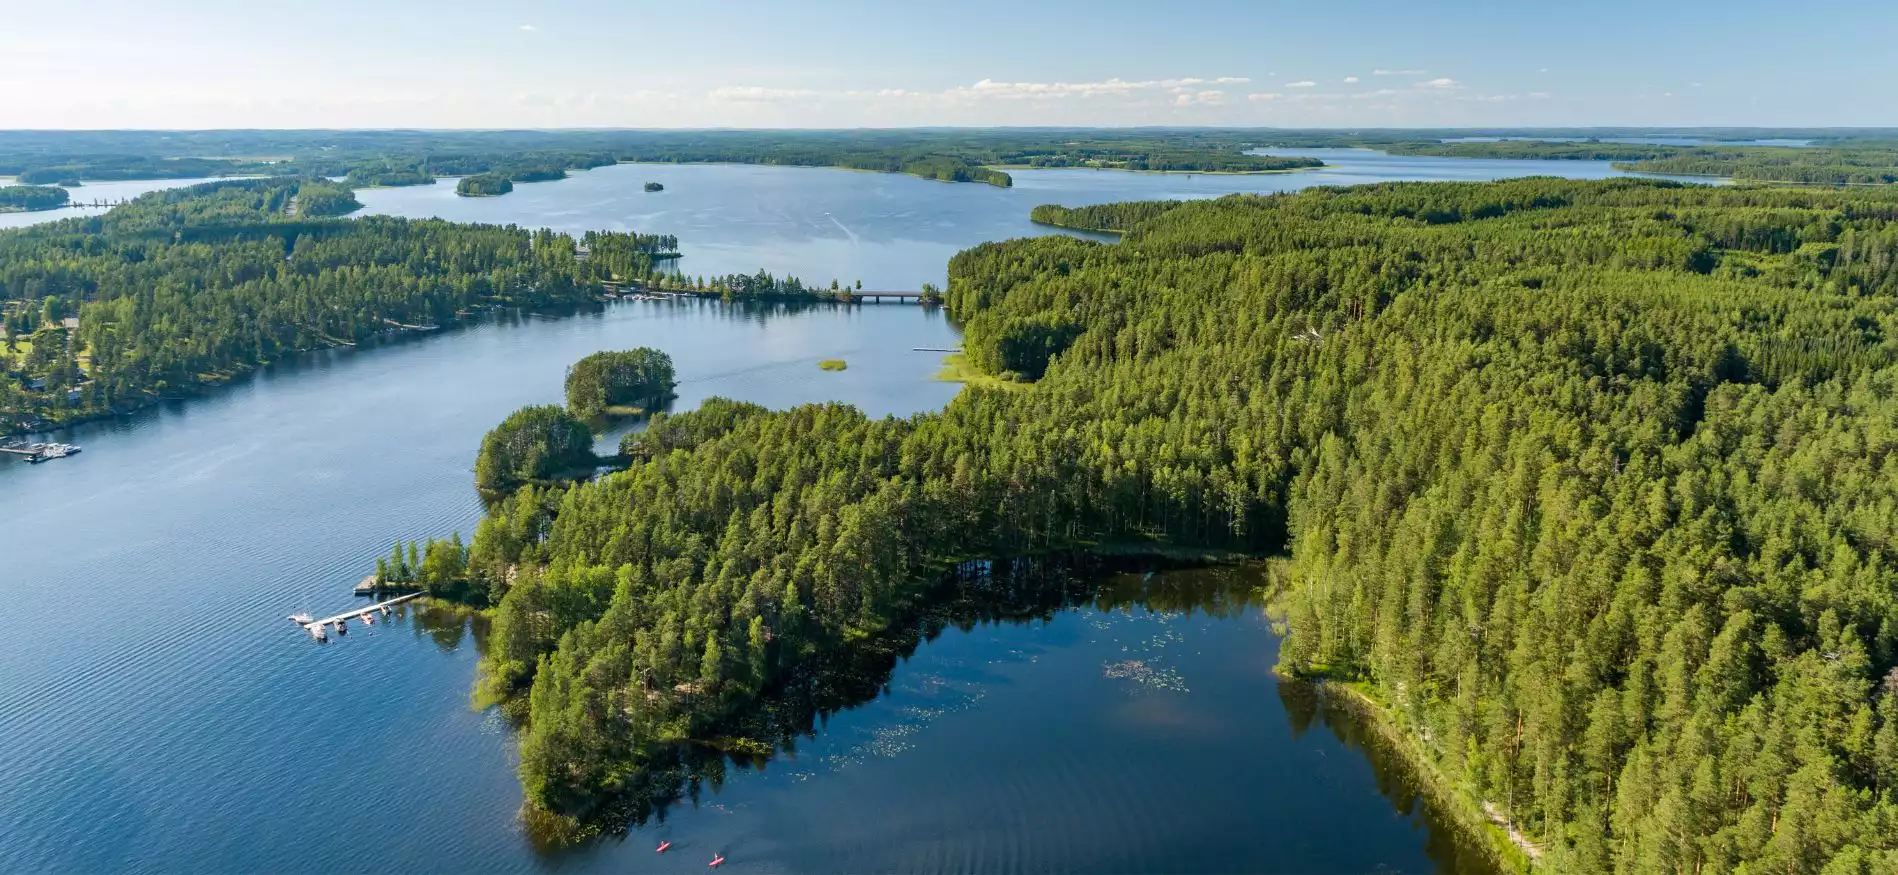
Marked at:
<point>320,629</point>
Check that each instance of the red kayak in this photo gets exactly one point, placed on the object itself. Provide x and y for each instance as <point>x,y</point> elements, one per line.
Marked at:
<point>662,847</point>
<point>717,861</point>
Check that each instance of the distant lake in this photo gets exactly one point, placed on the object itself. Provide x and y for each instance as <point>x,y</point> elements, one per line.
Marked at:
<point>888,230</point>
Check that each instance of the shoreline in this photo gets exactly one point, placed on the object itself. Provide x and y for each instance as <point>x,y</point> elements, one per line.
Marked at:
<point>1507,849</point>
<point>1114,231</point>
<point>199,387</point>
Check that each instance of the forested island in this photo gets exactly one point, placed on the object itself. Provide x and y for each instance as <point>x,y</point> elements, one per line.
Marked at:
<point>620,382</point>
<point>188,287</point>
<point>27,198</point>
<point>484,185</point>
<point>1586,489</point>
<point>654,186</point>
<point>1106,218</point>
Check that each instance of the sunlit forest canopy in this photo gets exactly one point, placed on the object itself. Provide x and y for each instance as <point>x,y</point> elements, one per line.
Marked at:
<point>1592,484</point>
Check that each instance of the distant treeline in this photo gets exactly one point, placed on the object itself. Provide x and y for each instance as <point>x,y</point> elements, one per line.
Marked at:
<point>1866,165</point>
<point>369,158</point>
<point>17,198</point>
<point>46,170</point>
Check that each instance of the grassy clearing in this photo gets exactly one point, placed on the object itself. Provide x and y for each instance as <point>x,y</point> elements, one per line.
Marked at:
<point>956,369</point>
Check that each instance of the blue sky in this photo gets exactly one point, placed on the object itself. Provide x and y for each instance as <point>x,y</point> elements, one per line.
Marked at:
<point>632,63</point>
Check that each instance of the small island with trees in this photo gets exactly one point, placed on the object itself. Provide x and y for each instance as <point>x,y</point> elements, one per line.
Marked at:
<point>654,186</point>
<point>484,185</point>
<point>628,383</point>
<point>537,444</point>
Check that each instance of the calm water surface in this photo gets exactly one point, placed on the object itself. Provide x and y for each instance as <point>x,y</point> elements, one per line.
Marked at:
<point>159,714</point>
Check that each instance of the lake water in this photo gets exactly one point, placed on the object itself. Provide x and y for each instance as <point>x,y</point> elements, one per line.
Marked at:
<point>888,230</point>
<point>159,714</point>
<point>110,192</point>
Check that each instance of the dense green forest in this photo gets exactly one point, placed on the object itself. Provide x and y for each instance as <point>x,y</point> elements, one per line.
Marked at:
<point>484,185</point>
<point>318,199</point>
<point>19,198</point>
<point>1593,486</point>
<point>186,287</point>
<point>640,378</point>
<point>1860,164</point>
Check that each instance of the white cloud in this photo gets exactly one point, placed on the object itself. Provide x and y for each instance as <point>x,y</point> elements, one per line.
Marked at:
<point>1538,95</point>
<point>1115,87</point>
<point>1667,94</point>
<point>1381,92</point>
<point>529,28</point>
<point>1265,95</point>
<point>758,93</point>
<point>1543,70</point>
<point>1693,84</point>
<point>1350,80</point>
<point>1302,83</point>
<point>1440,82</point>
<point>1397,72</point>
<point>1202,98</point>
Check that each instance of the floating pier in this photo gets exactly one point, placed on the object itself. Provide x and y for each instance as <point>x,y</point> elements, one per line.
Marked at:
<point>320,629</point>
<point>35,453</point>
